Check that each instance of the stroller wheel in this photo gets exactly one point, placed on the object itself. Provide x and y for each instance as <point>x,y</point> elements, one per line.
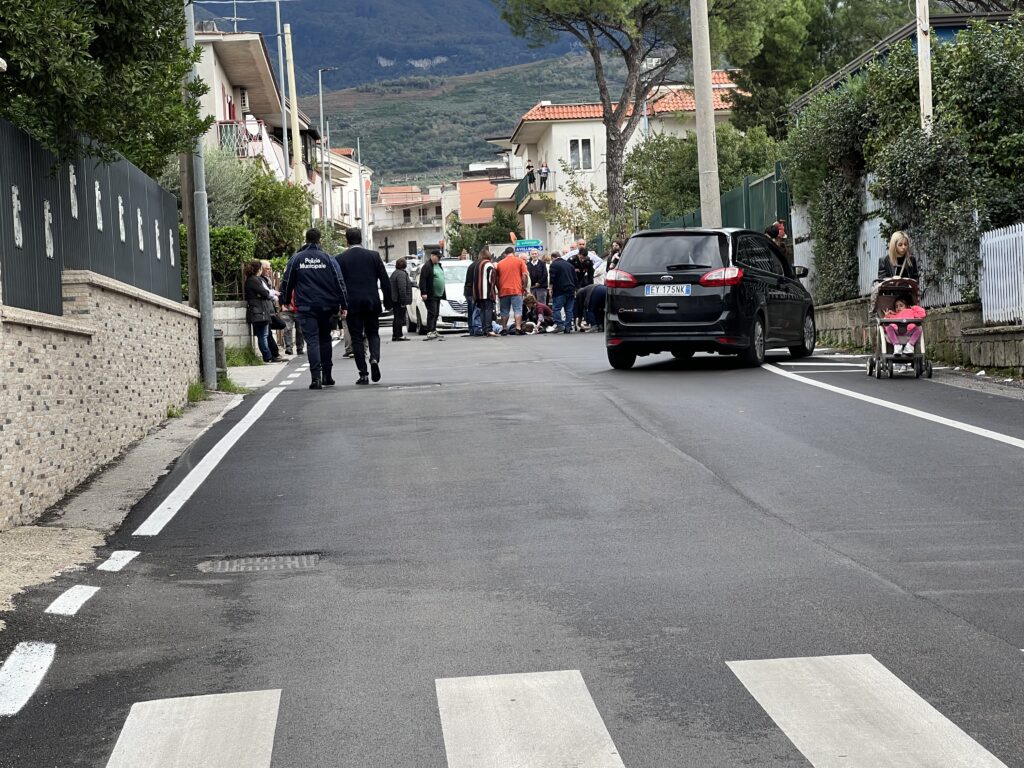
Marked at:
<point>928,370</point>
<point>891,369</point>
<point>879,364</point>
<point>870,366</point>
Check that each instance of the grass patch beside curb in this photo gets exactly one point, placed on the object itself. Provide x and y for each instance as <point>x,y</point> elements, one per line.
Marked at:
<point>237,356</point>
<point>174,412</point>
<point>225,384</point>
<point>197,391</point>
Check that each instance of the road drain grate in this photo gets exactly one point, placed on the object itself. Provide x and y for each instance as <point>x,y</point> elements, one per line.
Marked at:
<point>261,563</point>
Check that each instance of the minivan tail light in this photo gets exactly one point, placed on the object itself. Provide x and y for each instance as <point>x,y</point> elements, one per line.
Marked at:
<point>723,276</point>
<point>619,279</point>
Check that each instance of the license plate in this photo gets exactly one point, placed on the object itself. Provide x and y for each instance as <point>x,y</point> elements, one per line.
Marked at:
<point>458,324</point>
<point>680,289</point>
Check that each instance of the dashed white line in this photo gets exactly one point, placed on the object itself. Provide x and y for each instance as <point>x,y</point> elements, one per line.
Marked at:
<point>177,498</point>
<point>69,603</point>
<point>118,560</point>
<point>22,673</point>
<point>823,365</point>
<point>1016,442</point>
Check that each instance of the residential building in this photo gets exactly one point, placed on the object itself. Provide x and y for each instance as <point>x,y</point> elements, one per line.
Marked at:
<point>344,208</point>
<point>574,134</point>
<point>244,100</point>
<point>408,220</point>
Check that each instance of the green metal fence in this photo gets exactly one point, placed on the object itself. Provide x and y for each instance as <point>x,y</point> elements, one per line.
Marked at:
<point>755,204</point>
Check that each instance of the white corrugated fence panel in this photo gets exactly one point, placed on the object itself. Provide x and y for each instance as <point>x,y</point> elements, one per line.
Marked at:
<point>1002,275</point>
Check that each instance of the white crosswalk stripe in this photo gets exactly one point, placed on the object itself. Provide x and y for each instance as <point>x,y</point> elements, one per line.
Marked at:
<point>228,730</point>
<point>851,711</point>
<point>540,719</point>
<point>22,673</point>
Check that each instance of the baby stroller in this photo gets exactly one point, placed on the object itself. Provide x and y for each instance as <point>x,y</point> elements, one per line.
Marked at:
<point>884,360</point>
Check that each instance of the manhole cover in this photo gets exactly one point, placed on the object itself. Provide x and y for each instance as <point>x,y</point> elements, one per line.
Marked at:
<point>261,563</point>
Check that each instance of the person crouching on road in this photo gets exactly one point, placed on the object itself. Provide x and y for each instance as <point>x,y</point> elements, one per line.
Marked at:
<point>401,297</point>
<point>537,316</point>
<point>432,291</point>
<point>563,292</point>
<point>315,286</point>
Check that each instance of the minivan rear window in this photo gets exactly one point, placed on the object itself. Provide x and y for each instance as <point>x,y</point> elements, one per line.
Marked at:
<point>656,253</point>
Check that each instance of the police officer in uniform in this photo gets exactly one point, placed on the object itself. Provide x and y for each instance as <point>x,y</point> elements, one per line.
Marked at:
<point>315,286</point>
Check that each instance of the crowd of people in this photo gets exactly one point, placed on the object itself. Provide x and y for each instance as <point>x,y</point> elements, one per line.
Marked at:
<point>509,295</point>
<point>321,296</point>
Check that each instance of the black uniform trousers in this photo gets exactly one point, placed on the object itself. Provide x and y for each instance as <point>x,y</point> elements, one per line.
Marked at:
<point>364,322</point>
<point>316,327</point>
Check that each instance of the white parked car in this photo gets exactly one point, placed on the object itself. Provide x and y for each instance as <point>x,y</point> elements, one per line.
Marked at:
<point>453,315</point>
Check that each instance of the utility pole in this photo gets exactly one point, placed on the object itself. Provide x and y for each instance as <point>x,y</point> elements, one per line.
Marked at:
<point>924,65</point>
<point>362,191</point>
<point>290,63</point>
<point>323,141</point>
<point>284,92</point>
<point>202,229</point>
<point>707,143</point>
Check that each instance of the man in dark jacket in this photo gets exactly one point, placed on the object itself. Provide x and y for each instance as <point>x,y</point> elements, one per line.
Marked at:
<point>401,297</point>
<point>538,277</point>
<point>314,285</point>
<point>472,312</point>
<point>432,291</point>
<point>366,281</point>
<point>563,291</point>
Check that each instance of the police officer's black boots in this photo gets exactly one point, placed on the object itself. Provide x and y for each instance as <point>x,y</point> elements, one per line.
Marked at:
<point>316,382</point>
<point>326,378</point>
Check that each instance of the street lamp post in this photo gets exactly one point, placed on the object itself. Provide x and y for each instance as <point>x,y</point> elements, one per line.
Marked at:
<point>924,65</point>
<point>323,133</point>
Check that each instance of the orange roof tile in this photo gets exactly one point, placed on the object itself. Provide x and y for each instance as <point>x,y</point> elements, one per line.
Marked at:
<point>669,99</point>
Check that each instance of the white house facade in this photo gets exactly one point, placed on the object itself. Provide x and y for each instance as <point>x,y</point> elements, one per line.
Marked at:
<point>575,134</point>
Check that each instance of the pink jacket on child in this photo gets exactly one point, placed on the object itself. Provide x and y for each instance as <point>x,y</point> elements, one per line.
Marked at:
<point>915,312</point>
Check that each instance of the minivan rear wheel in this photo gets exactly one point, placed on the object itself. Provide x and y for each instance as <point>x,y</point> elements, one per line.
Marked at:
<point>754,354</point>
<point>806,347</point>
<point>621,359</point>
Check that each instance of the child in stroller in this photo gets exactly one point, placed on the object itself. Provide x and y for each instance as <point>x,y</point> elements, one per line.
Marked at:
<point>901,311</point>
<point>898,316</point>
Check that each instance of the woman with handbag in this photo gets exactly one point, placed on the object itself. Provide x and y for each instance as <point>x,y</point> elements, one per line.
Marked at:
<point>259,306</point>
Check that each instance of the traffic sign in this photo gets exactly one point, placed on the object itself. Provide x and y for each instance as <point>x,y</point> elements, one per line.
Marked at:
<point>528,243</point>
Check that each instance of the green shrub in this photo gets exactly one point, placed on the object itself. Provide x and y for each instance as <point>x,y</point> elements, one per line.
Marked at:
<point>230,249</point>
<point>237,356</point>
<point>174,412</point>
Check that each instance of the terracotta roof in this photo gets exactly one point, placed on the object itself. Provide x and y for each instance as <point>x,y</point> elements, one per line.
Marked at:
<point>672,98</point>
<point>344,151</point>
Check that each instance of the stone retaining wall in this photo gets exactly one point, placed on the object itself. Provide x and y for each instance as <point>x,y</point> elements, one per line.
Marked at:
<point>76,390</point>
<point>954,334</point>
<point>229,317</point>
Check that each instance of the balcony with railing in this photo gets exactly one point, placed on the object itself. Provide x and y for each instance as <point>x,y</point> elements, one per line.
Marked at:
<point>533,198</point>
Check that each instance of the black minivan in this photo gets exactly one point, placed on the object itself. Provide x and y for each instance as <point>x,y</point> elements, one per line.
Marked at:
<point>712,290</point>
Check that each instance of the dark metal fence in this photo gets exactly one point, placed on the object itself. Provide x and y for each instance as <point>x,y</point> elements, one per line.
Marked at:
<point>107,218</point>
<point>754,205</point>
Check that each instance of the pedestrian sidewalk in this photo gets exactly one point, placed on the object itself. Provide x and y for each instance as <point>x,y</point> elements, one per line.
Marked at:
<point>66,536</point>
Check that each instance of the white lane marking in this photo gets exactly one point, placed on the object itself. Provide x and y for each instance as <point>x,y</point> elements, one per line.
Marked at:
<point>1016,442</point>
<point>824,365</point>
<point>118,560</point>
<point>22,673</point>
<point>540,719</point>
<point>177,498</point>
<point>851,711</point>
<point>218,731</point>
<point>69,603</point>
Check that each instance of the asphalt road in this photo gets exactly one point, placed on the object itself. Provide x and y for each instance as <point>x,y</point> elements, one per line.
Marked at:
<point>498,509</point>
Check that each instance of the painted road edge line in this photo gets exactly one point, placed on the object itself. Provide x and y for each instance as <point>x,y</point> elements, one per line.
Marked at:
<point>177,498</point>
<point>72,600</point>
<point>1016,442</point>
<point>22,673</point>
<point>118,560</point>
